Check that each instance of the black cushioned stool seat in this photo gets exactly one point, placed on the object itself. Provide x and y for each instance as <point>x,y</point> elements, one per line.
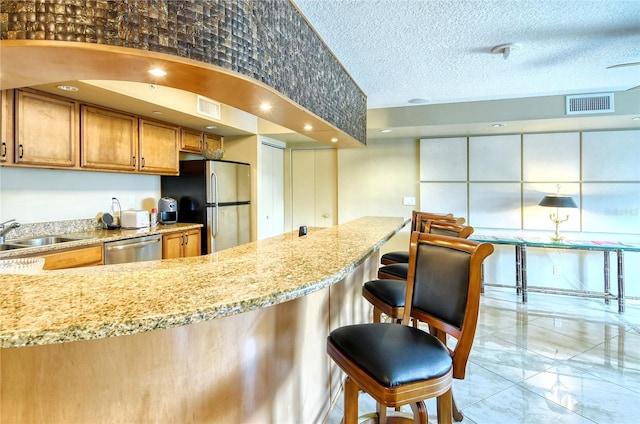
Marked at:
<point>393,354</point>
<point>400,256</point>
<point>391,292</point>
<point>394,271</point>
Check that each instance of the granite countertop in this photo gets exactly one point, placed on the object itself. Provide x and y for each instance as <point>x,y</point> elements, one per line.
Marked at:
<point>89,237</point>
<point>111,300</point>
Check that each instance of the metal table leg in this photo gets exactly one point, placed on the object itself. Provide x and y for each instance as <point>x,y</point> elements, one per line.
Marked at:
<point>518,269</point>
<point>607,278</point>
<point>620,254</point>
<point>523,259</point>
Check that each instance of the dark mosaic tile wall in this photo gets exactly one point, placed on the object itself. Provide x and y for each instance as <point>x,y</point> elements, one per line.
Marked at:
<point>266,40</point>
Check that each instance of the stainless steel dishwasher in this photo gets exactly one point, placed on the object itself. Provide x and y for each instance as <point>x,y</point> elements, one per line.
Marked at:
<point>146,248</point>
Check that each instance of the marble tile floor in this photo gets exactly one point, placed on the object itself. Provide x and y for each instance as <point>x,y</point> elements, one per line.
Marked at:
<point>557,359</point>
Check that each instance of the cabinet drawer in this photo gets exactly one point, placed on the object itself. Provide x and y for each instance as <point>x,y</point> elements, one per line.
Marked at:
<point>73,257</point>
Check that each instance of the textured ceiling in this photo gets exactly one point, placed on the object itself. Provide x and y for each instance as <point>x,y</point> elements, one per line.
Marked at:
<point>440,50</point>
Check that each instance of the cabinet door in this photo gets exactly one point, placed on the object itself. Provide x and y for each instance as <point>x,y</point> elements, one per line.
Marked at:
<point>314,188</point>
<point>172,245</point>
<point>270,191</point>
<point>158,148</point>
<point>191,245</point>
<point>212,141</point>
<point>109,139</point>
<point>46,130</point>
<point>6,126</point>
<point>190,141</point>
<point>73,258</point>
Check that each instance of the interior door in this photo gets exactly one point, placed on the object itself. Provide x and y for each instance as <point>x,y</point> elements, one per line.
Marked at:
<point>314,188</point>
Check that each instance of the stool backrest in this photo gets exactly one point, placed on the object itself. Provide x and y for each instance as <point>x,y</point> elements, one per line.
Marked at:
<point>418,218</point>
<point>448,229</point>
<point>443,289</point>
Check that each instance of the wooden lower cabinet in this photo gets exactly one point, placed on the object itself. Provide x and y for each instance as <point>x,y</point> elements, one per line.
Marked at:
<point>73,257</point>
<point>181,244</point>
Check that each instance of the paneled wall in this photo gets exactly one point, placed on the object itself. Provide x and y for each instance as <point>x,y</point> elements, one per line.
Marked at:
<point>496,182</point>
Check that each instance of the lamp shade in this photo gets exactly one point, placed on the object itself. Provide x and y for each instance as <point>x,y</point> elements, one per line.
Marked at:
<point>557,201</point>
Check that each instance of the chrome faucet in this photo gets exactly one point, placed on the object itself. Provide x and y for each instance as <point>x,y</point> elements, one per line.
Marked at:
<point>4,229</point>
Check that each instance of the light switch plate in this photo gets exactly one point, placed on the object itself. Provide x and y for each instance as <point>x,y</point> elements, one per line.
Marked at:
<point>409,201</point>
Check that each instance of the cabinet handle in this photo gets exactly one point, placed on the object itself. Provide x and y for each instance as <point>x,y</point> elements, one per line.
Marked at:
<point>133,161</point>
<point>141,162</point>
<point>20,151</point>
<point>186,239</point>
<point>4,149</point>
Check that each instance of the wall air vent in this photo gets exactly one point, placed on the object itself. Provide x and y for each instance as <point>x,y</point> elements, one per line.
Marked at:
<point>208,107</point>
<point>590,103</point>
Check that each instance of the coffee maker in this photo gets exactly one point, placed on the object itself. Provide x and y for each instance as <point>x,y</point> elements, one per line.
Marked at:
<point>167,210</point>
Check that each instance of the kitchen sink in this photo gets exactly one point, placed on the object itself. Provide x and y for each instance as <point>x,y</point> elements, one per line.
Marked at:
<point>5,246</point>
<point>42,241</point>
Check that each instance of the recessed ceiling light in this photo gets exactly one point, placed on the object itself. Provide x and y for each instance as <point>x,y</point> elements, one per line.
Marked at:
<point>157,112</point>
<point>334,140</point>
<point>387,130</point>
<point>157,72</point>
<point>498,125</point>
<point>265,106</point>
<point>419,101</point>
<point>68,88</point>
<point>210,127</point>
<point>308,127</point>
<point>636,118</point>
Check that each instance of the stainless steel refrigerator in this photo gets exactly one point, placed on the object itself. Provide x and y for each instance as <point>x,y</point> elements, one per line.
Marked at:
<point>217,194</point>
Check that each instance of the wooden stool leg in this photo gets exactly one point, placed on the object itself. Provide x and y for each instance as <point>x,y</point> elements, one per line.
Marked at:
<point>445,408</point>
<point>376,314</point>
<point>420,414</point>
<point>457,414</point>
<point>350,402</point>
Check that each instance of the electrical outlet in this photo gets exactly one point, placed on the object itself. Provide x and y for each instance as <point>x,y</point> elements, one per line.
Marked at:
<point>557,323</point>
<point>409,201</point>
<point>556,270</point>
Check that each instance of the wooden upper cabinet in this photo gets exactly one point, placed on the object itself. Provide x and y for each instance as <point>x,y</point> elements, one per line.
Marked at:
<point>109,139</point>
<point>158,148</point>
<point>212,141</point>
<point>46,130</point>
<point>6,126</point>
<point>191,140</point>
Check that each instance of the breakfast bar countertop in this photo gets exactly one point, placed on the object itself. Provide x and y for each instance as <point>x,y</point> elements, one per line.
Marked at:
<point>112,300</point>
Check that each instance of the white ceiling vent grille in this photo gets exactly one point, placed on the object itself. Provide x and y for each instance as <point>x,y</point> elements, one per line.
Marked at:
<point>590,103</point>
<point>208,107</point>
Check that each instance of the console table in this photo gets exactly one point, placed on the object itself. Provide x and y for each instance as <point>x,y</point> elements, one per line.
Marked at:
<point>521,243</point>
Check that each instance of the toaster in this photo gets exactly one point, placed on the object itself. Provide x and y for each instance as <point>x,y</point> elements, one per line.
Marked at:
<point>167,210</point>
<point>134,219</point>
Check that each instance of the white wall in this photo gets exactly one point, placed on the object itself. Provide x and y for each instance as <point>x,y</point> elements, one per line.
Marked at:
<point>373,181</point>
<point>38,195</point>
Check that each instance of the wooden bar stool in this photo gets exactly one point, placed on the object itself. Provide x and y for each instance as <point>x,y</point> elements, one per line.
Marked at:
<point>417,224</point>
<point>401,365</point>
<point>387,293</point>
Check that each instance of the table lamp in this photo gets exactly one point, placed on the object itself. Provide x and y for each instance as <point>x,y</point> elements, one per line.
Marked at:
<point>557,201</point>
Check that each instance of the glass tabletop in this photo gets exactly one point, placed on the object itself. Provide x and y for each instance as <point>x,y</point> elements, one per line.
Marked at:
<point>562,244</point>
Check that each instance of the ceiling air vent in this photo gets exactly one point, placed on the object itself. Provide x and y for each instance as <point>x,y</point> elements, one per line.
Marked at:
<point>590,103</point>
<point>208,107</point>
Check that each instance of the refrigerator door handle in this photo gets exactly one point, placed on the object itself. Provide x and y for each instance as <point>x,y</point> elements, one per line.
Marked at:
<point>214,186</point>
